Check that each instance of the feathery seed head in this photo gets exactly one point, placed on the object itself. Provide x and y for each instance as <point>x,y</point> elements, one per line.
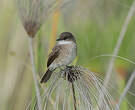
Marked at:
<point>79,89</point>
<point>32,13</point>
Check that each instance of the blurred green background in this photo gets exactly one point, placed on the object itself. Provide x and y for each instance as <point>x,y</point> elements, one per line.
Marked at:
<point>96,25</point>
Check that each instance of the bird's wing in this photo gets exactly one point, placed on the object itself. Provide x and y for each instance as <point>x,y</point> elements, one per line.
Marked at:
<point>53,55</point>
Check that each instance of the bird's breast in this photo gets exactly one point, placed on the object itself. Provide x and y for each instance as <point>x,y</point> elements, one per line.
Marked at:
<point>66,56</point>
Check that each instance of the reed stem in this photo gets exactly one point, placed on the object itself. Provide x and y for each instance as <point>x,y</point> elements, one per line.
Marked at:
<point>74,98</point>
<point>39,101</point>
<point>132,77</point>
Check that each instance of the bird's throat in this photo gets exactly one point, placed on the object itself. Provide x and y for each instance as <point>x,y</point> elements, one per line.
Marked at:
<point>64,42</point>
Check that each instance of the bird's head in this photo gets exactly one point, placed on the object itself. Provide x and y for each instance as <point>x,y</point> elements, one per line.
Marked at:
<point>66,36</point>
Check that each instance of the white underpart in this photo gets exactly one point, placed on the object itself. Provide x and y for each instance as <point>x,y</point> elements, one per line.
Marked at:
<point>64,42</point>
<point>70,55</point>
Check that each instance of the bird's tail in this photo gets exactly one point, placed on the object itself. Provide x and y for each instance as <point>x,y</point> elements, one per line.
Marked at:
<point>46,76</point>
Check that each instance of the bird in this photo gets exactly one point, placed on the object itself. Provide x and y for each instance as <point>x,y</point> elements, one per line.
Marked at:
<point>63,54</point>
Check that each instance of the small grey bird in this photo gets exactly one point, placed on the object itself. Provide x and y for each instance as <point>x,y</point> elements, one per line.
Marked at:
<point>63,53</point>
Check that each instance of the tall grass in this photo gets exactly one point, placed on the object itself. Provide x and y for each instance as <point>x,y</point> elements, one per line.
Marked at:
<point>119,42</point>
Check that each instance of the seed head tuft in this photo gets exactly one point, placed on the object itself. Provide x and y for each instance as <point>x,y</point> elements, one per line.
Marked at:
<point>31,28</point>
<point>33,13</point>
<point>78,87</point>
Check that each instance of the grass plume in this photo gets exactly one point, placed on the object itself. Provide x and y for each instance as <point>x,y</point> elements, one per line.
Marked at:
<point>85,90</point>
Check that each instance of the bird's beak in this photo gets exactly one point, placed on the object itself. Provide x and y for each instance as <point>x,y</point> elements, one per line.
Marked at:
<point>58,39</point>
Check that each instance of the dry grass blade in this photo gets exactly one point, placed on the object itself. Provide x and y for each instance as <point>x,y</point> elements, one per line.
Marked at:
<point>107,55</point>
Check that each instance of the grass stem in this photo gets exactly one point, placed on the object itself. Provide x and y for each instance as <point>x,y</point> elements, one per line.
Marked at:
<point>39,101</point>
<point>74,98</point>
<point>132,77</point>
